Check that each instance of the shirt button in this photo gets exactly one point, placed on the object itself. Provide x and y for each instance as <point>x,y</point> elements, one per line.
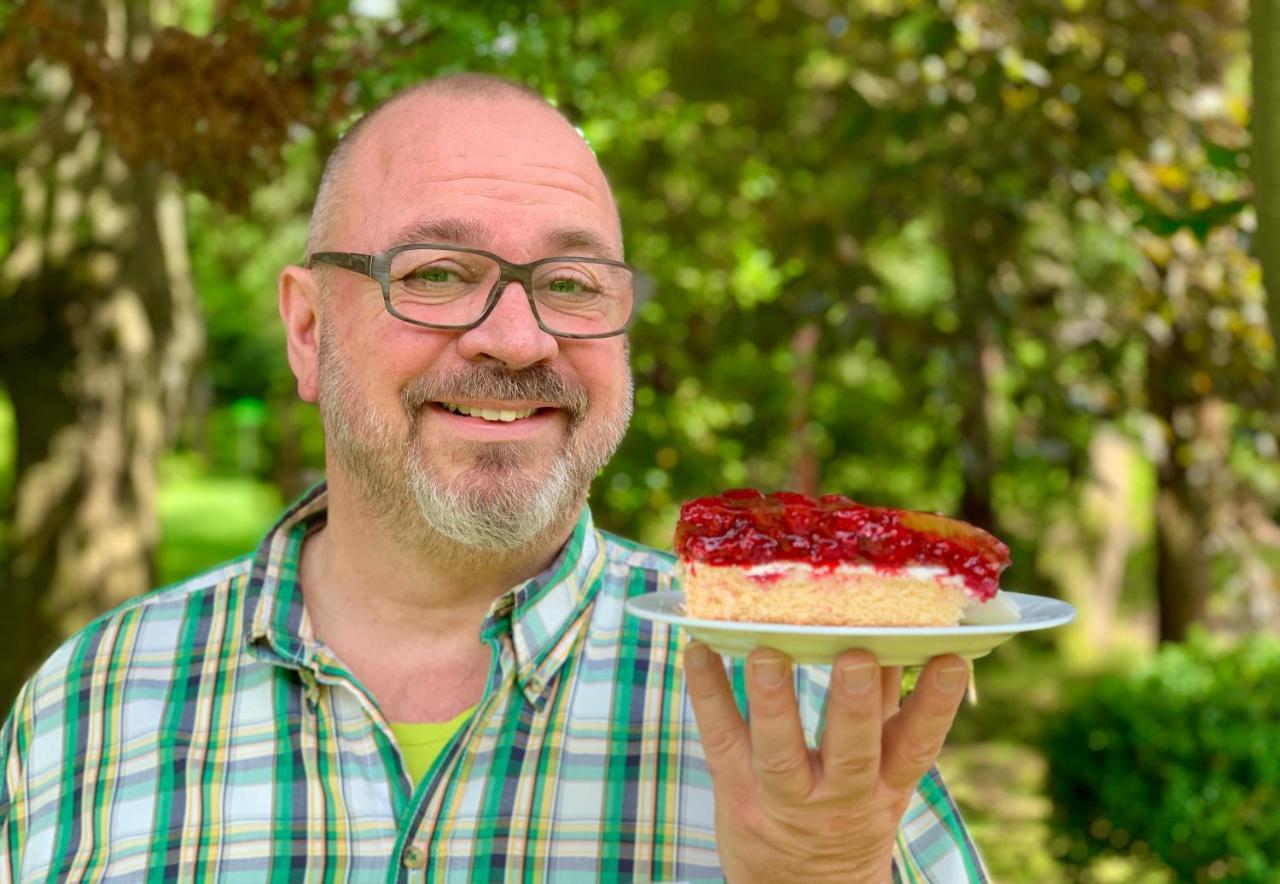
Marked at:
<point>415,857</point>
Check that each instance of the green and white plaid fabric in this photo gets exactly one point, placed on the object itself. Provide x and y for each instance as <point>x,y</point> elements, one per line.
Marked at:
<point>201,733</point>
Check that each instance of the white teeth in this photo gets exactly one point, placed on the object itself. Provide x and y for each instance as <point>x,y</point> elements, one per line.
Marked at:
<point>489,414</point>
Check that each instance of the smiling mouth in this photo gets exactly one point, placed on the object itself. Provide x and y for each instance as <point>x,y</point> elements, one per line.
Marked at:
<point>496,415</point>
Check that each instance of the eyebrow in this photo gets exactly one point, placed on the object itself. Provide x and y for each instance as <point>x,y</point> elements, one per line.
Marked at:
<point>455,231</point>
<point>475,234</point>
<point>570,240</point>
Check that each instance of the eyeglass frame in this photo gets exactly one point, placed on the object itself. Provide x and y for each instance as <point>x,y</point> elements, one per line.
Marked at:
<point>378,268</point>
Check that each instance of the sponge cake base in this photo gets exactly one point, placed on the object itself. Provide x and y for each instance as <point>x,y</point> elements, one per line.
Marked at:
<point>797,593</point>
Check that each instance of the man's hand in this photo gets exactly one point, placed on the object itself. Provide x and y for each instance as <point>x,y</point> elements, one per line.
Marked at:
<point>785,812</point>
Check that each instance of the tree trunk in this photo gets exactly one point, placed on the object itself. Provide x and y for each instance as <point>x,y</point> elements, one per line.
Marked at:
<point>1182,566</point>
<point>974,358</point>
<point>1108,497</point>
<point>101,330</point>
<point>977,355</point>
<point>804,462</point>
<point>1182,570</point>
<point>1264,166</point>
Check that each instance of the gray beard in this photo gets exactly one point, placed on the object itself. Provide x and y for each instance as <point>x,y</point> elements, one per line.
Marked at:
<point>493,505</point>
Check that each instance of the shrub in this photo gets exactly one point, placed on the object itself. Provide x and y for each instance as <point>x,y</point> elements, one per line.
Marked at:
<point>1179,760</point>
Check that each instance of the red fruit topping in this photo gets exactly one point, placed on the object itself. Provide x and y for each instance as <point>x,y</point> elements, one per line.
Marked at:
<point>743,527</point>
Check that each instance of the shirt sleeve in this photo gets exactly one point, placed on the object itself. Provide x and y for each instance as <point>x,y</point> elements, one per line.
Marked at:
<point>932,846</point>
<point>11,823</point>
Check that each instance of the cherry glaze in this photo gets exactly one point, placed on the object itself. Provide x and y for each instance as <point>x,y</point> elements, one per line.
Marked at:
<point>743,527</point>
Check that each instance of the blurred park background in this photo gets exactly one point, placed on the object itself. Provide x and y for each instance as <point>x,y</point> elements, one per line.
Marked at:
<point>1001,260</point>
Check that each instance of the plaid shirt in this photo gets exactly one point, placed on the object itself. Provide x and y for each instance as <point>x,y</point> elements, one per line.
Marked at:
<point>203,733</point>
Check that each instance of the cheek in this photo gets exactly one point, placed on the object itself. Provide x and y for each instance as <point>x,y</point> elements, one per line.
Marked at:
<point>603,372</point>
<point>394,353</point>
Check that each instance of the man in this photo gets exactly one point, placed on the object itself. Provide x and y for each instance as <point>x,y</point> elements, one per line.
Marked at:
<point>273,719</point>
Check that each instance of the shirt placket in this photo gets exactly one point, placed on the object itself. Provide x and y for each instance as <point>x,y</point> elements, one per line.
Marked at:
<point>422,851</point>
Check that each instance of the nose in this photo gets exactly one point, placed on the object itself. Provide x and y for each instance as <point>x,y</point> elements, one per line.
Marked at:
<point>510,334</point>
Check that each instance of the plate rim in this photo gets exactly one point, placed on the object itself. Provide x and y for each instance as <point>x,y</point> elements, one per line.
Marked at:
<point>635,606</point>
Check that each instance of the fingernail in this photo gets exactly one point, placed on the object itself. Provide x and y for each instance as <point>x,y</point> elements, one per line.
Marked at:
<point>697,655</point>
<point>770,671</point>
<point>952,677</point>
<point>857,677</point>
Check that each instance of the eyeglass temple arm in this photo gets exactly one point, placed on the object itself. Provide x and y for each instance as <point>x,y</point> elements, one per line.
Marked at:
<point>346,260</point>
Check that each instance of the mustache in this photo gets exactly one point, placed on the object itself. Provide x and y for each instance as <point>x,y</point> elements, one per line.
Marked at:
<point>537,382</point>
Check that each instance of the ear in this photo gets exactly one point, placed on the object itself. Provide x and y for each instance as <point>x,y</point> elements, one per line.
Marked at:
<point>300,309</point>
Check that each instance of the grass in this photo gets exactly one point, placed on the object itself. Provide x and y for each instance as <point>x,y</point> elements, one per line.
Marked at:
<point>205,520</point>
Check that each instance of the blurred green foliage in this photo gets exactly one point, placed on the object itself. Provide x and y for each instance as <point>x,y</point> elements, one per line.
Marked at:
<point>923,254</point>
<point>945,198</point>
<point>1176,760</point>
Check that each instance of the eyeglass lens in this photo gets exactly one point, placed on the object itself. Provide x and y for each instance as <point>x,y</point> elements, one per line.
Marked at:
<point>444,287</point>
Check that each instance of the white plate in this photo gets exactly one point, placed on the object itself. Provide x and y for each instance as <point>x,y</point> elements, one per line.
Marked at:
<point>892,645</point>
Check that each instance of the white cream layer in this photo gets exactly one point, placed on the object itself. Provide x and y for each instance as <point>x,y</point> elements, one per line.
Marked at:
<point>916,572</point>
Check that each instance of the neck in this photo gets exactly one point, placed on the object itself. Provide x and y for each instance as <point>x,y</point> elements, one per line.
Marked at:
<point>403,586</point>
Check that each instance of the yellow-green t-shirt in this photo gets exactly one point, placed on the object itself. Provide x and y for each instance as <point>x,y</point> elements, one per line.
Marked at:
<point>421,742</point>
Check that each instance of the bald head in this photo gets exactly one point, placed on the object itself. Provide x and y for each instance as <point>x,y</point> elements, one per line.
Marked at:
<point>336,195</point>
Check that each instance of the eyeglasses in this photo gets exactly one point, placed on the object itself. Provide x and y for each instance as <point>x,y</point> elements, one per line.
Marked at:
<point>455,288</point>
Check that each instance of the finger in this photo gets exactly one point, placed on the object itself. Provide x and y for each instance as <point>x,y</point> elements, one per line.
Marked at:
<point>778,750</point>
<point>914,737</point>
<point>726,741</point>
<point>850,748</point>
<point>890,691</point>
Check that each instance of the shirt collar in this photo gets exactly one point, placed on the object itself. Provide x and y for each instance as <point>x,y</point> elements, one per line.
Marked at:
<point>542,616</point>
<point>276,627</point>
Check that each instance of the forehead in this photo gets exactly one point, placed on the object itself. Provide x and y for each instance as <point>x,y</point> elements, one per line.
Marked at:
<point>513,169</point>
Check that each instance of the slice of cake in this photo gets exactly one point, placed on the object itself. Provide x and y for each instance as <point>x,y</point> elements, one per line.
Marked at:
<point>788,558</point>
